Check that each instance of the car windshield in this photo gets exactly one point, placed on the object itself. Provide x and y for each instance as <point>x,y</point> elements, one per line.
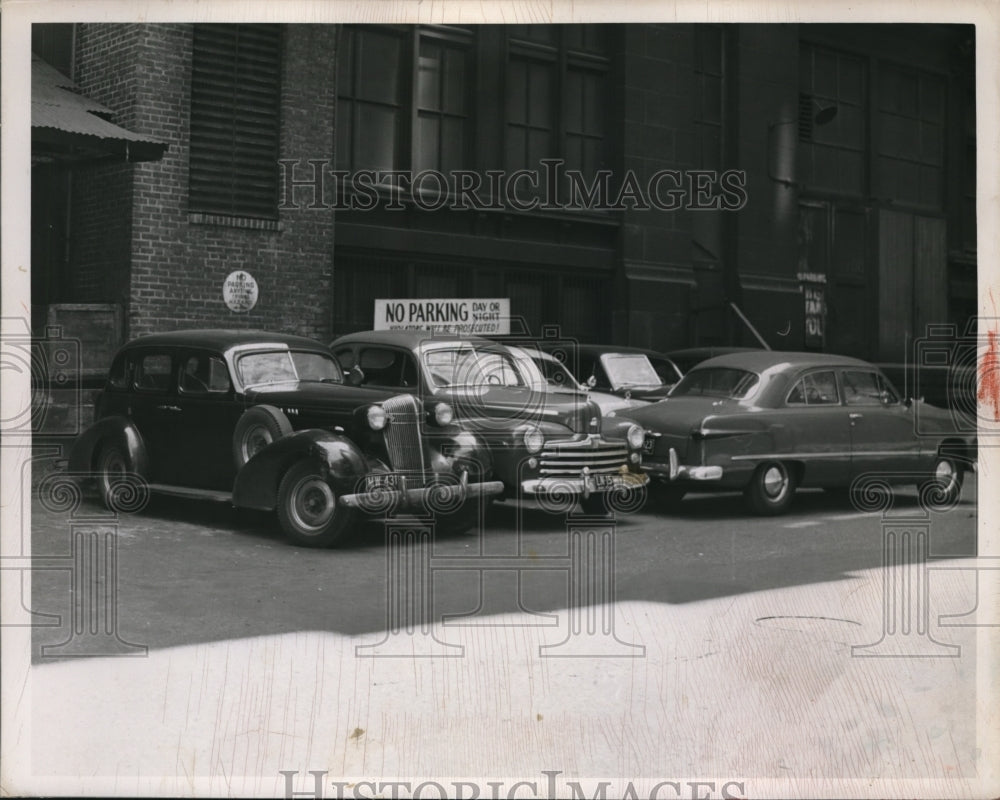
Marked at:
<point>279,366</point>
<point>727,382</point>
<point>555,373</point>
<point>629,369</point>
<point>473,365</point>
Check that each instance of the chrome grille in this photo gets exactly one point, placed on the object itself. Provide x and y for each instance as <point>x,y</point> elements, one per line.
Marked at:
<point>569,458</point>
<point>403,442</point>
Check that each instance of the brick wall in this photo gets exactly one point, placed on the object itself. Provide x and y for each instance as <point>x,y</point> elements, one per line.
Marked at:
<point>102,193</point>
<point>176,265</point>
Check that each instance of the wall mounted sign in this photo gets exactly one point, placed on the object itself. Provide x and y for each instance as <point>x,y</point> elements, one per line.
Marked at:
<point>476,315</point>
<point>814,292</point>
<point>239,291</point>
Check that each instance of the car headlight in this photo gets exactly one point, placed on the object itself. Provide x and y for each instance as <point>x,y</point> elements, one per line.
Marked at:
<point>635,436</point>
<point>443,414</point>
<point>534,440</point>
<point>376,417</point>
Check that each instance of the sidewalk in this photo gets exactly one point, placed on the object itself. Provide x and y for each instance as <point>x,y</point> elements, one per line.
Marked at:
<point>757,693</point>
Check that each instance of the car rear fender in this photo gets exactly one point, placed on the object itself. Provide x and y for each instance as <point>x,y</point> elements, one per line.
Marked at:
<point>117,430</point>
<point>256,485</point>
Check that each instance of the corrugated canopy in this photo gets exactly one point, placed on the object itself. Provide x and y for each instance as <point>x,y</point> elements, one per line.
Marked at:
<point>68,126</point>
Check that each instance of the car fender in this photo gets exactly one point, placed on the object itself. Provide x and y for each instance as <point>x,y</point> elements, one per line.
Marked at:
<point>256,485</point>
<point>453,449</point>
<point>117,430</point>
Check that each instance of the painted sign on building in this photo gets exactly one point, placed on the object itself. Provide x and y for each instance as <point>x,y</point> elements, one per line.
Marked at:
<point>814,292</point>
<point>482,316</point>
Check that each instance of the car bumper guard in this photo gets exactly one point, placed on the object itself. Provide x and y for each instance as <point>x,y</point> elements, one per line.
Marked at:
<point>677,471</point>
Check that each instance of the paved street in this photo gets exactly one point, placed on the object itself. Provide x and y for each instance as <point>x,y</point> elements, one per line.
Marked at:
<point>734,650</point>
<point>194,571</point>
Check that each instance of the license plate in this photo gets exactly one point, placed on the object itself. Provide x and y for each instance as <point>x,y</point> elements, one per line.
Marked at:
<point>382,482</point>
<point>604,481</point>
<point>649,444</point>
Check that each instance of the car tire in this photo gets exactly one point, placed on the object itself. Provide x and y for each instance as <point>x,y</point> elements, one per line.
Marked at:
<point>309,511</point>
<point>112,464</point>
<point>944,487</point>
<point>771,488</point>
<point>257,428</point>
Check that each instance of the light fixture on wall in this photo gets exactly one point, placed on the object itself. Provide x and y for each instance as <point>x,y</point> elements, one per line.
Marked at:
<point>812,114</point>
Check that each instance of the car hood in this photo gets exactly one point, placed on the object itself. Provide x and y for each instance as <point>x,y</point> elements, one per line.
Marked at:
<point>508,404</point>
<point>680,414</point>
<point>314,394</point>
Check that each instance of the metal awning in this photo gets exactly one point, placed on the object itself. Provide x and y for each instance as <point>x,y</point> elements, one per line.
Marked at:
<point>68,126</point>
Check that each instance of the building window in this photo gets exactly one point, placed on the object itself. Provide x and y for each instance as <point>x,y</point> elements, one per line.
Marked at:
<point>832,151</point>
<point>370,99</point>
<point>235,106</point>
<point>909,162</point>
<point>442,105</point>
<point>556,97</point>
<point>403,98</point>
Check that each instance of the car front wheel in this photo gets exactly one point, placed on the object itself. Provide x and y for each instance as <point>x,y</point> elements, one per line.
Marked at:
<point>770,489</point>
<point>309,511</point>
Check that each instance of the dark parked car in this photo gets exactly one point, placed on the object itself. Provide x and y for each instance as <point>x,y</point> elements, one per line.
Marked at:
<point>629,372</point>
<point>267,422</point>
<point>559,379</point>
<point>768,422</point>
<point>544,444</point>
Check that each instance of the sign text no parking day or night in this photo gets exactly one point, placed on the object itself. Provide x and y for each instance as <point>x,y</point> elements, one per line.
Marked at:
<point>477,315</point>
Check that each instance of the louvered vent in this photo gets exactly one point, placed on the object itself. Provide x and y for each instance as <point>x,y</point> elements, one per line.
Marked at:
<point>235,98</point>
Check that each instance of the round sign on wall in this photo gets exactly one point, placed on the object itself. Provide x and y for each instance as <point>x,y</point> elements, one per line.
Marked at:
<point>239,291</point>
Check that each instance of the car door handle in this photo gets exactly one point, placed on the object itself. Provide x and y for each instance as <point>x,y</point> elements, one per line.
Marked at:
<point>168,408</point>
<point>855,415</point>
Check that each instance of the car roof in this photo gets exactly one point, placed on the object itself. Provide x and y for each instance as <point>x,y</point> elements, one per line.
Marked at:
<point>760,360</point>
<point>221,339</point>
<point>408,339</point>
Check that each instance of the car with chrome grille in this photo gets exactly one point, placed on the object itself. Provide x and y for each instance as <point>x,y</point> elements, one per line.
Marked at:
<point>768,422</point>
<point>269,421</point>
<point>551,446</point>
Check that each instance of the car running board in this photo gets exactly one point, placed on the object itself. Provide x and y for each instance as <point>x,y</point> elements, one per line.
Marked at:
<point>197,494</point>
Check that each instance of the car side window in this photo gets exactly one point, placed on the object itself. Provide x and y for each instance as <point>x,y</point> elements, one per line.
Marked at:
<point>118,374</point>
<point>345,355</point>
<point>204,374</point>
<point>152,373</point>
<point>814,389</point>
<point>385,367</point>
<point>861,388</point>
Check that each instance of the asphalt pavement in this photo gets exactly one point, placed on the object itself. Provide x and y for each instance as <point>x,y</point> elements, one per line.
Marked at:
<point>775,656</point>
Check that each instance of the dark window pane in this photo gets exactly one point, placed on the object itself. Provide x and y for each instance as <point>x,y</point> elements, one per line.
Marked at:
<point>378,67</point>
<point>454,81</point>
<point>426,144</point>
<point>429,77</point>
<point>376,147</point>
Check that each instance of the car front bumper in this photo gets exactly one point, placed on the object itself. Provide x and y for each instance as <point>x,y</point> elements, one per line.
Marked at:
<point>584,484</point>
<point>673,470</point>
<point>443,495</point>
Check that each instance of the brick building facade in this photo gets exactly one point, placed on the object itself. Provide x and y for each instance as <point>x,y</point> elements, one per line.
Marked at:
<point>856,143</point>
